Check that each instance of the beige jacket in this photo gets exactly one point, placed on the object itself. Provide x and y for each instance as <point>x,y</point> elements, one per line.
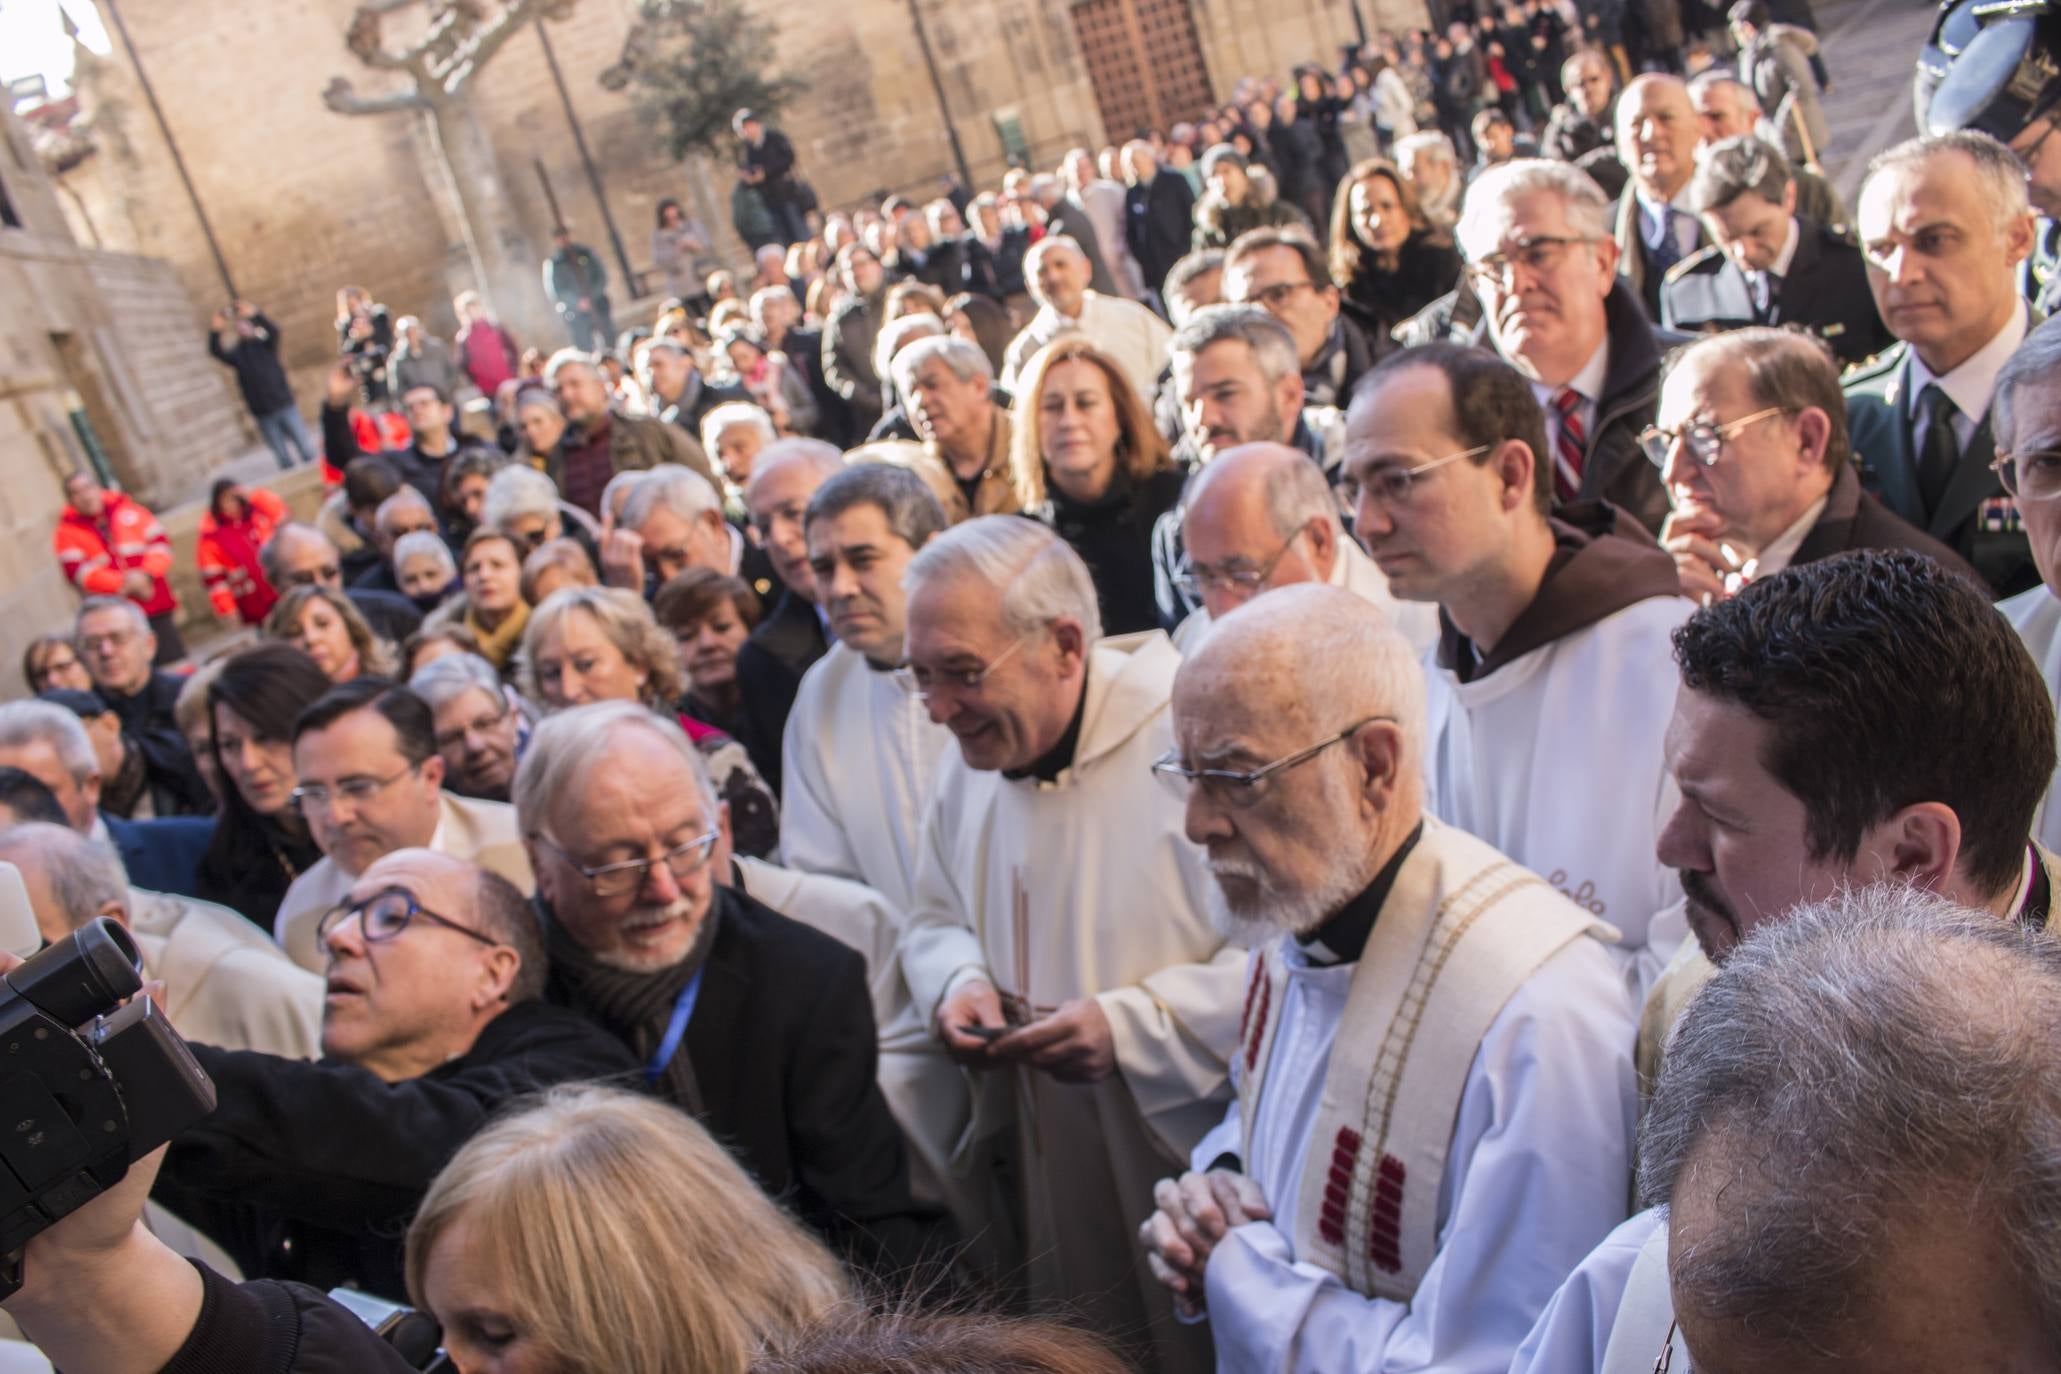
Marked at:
<point>225,983</point>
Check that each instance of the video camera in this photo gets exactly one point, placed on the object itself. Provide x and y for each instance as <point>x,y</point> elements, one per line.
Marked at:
<point>87,1085</point>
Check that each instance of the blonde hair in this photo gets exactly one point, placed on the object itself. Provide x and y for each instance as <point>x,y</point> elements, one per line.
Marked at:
<point>627,1237</point>
<point>375,655</point>
<point>623,617</point>
<point>1141,450</point>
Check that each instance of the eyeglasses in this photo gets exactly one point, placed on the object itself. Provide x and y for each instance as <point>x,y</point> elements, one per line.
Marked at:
<point>1194,579</point>
<point>1536,256</point>
<point>1279,294</point>
<point>1236,789</point>
<point>113,639</point>
<point>923,682</point>
<point>1703,440</point>
<point>2029,476</point>
<point>1392,485</point>
<point>356,791</point>
<point>485,721</point>
<point>615,880</point>
<point>386,913</point>
<point>322,575</point>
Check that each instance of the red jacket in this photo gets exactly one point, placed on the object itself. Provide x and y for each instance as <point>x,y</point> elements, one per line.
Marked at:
<point>95,553</point>
<point>228,557</point>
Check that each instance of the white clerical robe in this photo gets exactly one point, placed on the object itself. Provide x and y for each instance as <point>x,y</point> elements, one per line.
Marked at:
<point>859,759</point>
<point>1556,759</point>
<point>481,832</point>
<point>1588,1327</point>
<point>1112,900</point>
<point>2036,615</point>
<point>1537,1171</point>
<point>1132,336</point>
<point>1353,571</point>
<point>225,983</point>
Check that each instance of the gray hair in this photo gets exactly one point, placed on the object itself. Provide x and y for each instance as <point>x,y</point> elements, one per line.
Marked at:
<point>1717,78</point>
<point>1870,1053</point>
<point>424,544</point>
<point>760,297</point>
<point>624,482</point>
<point>569,357</point>
<point>83,875</point>
<point>1273,347</point>
<point>1588,209</point>
<point>23,723</point>
<point>731,413</point>
<point>966,360</point>
<point>681,490</point>
<point>1051,243</point>
<point>904,500</point>
<point>1782,368</point>
<point>401,500</point>
<point>442,681</point>
<point>514,492</point>
<point>2033,363</point>
<point>1036,575</point>
<point>273,551</point>
<point>901,333</point>
<point>1997,169</point>
<point>112,603</point>
<point>1427,143</point>
<point>819,456</point>
<point>1731,167</point>
<point>564,746</point>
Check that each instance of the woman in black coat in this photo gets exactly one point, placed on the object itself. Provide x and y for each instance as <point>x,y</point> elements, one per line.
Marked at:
<point>1384,257</point>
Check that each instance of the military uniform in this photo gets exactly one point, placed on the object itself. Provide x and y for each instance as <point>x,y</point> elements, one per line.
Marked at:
<point>1975,518</point>
<point>1825,291</point>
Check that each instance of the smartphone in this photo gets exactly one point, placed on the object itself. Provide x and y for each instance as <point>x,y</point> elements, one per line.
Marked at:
<point>978,1032</point>
<point>18,933</point>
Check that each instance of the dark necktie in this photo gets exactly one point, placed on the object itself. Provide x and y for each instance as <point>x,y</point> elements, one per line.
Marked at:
<point>1667,251</point>
<point>1764,284</point>
<point>1940,454</point>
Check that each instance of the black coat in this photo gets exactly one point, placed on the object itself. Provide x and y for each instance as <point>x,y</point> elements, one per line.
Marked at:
<point>1426,269</point>
<point>150,708</point>
<point>769,673</point>
<point>1825,291</point>
<point>1854,519</point>
<point>1113,536</point>
<point>785,1057</point>
<point>267,1327</point>
<point>255,361</point>
<point>1159,219</point>
<point>420,470</point>
<point>311,1172</point>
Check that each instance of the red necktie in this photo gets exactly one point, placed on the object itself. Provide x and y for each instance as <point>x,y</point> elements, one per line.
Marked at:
<point>1572,443</point>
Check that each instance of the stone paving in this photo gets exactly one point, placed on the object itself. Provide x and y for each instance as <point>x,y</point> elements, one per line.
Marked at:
<point>1871,47</point>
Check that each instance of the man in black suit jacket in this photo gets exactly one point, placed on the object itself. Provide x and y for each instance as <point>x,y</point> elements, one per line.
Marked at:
<point>1766,264</point>
<point>1159,214</point>
<point>1752,444</point>
<point>792,636</point>
<point>758,1026</point>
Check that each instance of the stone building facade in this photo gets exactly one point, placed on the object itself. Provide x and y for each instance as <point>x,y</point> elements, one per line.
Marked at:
<point>304,200</point>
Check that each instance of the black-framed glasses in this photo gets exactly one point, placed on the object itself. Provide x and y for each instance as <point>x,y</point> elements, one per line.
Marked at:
<point>615,880</point>
<point>1704,441</point>
<point>486,720</point>
<point>922,682</point>
<point>2032,476</point>
<point>1194,578</point>
<point>1392,484</point>
<point>1279,294</point>
<point>321,575</point>
<point>1235,788</point>
<point>1535,256</point>
<point>356,791</point>
<point>386,913</point>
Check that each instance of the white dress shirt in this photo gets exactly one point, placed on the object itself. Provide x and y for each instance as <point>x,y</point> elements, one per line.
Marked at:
<point>1588,384</point>
<point>1969,386</point>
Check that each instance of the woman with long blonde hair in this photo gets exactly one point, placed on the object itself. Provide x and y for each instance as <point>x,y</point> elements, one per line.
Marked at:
<point>1088,461</point>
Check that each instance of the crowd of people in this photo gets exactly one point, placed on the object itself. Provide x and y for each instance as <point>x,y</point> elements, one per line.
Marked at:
<point>1271,751</point>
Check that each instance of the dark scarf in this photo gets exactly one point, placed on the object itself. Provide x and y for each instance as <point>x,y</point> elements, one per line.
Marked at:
<point>636,1007</point>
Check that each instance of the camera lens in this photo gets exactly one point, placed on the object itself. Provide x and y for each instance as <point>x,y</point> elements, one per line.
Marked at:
<point>81,976</point>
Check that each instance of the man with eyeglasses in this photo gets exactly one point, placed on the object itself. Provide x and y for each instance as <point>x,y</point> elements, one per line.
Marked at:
<point>1549,690</point>
<point>1541,260</point>
<point>1058,939</point>
<point>1751,442</point>
<point>795,633</point>
<point>2027,417</point>
<point>480,733</point>
<point>1262,516</point>
<point>1944,223</point>
<point>758,1026</point>
<point>1434,1085</point>
<point>432,423</point>
<point>432,1024</point>
<point>1284,272</point>
<point>299,555</point>
<point>370,781</point>
<point>113,638</point>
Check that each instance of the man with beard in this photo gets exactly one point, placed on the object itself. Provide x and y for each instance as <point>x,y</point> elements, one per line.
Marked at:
<point>1801,776</point>
<point>1435,1094</point>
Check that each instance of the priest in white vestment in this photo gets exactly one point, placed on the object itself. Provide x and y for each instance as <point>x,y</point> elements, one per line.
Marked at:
<point>1058,939</point>
<point>1262,515</point>
<point>1550,687</point>
<point>1435,1092</point>
<point>2026,415</point>
<point>860,754</point>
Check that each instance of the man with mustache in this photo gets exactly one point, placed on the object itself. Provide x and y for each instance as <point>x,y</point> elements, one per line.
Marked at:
<point>1863,719</point>
<point>1541,260</point>
<point>1549,689</point>
<point>1945,223</point>
<point>1434,1088</point>
<point>758,1026</point>
<point>1058,934</point>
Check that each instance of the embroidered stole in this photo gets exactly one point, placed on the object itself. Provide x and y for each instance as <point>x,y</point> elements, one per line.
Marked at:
<point>1462,930</point>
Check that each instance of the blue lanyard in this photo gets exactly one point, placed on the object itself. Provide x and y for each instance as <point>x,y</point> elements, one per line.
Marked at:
<point>676,1030</point>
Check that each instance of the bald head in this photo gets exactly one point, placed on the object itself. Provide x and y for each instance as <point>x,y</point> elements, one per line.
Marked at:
<point>1257,517</point>
<point>1657,133</point>
<point>1312,656</point>
<point>1058,272</point>
<point>298,554</point>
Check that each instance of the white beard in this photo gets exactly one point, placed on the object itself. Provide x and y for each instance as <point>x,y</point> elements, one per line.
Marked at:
<point>1272,911</point>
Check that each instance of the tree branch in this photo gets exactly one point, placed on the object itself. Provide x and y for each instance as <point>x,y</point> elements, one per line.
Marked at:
<point>488,39</point>
<point>339,96</point>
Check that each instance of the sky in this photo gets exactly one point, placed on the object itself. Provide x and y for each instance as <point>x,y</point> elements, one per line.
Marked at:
<point>32,38</point>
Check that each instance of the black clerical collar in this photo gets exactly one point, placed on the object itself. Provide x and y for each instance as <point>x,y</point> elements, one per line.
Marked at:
<point>1056,760</point>
<point>1343,936</point>
<point>2039,893</point>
